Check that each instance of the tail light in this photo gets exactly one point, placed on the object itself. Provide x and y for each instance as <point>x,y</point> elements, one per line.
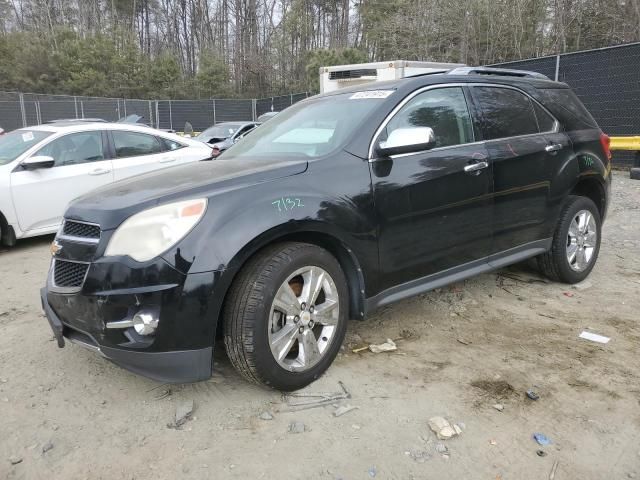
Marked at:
<point>605,141</point>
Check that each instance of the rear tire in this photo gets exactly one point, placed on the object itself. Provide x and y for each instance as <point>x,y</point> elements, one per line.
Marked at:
<point>576,242</point>
<point>285,316</point>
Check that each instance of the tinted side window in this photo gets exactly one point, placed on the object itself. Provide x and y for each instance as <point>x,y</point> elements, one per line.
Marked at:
<point>132,144</point>
<point>506,112</point>
<point>546,122</point>
<point>443,109</point>
<point>75,149</point>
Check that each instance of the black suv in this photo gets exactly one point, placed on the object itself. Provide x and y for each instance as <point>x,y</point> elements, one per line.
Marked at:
<point>340,204</point>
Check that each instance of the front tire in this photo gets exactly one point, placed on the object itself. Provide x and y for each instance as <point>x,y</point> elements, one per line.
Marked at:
<point>286,315</point>
<point>576,242</point>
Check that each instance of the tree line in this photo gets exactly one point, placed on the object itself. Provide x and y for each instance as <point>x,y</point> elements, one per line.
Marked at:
<point>236,48</point>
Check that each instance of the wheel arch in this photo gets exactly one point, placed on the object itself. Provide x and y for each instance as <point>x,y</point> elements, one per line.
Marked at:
<point>591,187</point>
<point>334,245</point>
<point>347,260</point>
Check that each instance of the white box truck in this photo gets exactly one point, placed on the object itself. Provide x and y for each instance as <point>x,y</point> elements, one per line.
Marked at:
<point>340,76</point>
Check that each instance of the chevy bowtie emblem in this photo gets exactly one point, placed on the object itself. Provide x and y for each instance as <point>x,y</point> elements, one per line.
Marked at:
<point>55,248</point>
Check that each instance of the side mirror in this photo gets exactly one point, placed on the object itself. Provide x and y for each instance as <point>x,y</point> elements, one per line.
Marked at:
<point>39,161</point>
<point>407,140</point>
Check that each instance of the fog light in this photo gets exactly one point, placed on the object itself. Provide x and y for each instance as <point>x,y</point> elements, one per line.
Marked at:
<point>145,323</point>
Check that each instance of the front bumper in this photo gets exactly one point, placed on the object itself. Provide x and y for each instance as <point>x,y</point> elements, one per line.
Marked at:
<point>180,350</point>
<point>169,367</point>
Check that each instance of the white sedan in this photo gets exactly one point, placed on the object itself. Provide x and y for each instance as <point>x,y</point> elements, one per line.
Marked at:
<point>43,168</point>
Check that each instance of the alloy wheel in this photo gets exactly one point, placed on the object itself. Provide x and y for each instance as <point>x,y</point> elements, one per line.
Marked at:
<point>582,240</point>
<point>303,318</point>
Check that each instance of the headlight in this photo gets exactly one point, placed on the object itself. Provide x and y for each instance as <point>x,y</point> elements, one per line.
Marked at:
<point>151,232</point>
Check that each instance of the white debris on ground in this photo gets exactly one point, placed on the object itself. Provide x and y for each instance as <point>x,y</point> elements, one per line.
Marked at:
<point>388,346</point>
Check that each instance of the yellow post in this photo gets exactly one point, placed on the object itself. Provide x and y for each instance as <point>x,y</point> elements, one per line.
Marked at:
<point>625,143</point>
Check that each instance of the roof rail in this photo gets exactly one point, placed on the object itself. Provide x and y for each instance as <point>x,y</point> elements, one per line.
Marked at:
<point>508,72</point>
<point>422,74</point>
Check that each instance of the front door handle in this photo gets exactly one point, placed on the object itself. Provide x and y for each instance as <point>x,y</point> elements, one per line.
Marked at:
<point>552,148</point>
<point>474,167</point>
<point>100,171</point>
<point>167,160</point>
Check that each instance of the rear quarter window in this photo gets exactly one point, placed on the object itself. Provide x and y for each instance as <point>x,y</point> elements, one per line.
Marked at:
<point>170,145</point>
<point>567,107</point>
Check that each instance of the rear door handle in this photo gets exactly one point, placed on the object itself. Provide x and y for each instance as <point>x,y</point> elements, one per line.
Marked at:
<point>100,171</point>
<point>554,147</point>
<point>167,160</point>
<point>474,167</point>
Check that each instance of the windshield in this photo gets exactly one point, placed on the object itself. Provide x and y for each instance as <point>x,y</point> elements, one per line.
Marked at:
<point>311,128</point>
<point>221,131</point>
<point>14,144</point>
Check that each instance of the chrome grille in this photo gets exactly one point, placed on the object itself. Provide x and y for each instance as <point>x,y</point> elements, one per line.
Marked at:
<point>69,274</point>
<point>72,228</point>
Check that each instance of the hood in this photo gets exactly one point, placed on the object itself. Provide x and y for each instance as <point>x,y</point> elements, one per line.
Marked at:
<point>109,206</point>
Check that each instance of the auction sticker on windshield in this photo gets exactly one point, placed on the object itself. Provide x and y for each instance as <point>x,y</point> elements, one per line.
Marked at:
<point>371,94</point>
<point>27,137</point>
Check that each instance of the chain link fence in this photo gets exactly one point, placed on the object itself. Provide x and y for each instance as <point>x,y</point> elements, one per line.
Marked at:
<point>23,109</point>
<point>607,80</point>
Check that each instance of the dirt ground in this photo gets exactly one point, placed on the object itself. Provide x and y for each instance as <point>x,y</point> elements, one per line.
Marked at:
<point>464,348</point>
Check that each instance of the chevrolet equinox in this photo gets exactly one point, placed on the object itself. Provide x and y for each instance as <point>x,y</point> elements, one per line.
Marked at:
<point>341,204</point>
